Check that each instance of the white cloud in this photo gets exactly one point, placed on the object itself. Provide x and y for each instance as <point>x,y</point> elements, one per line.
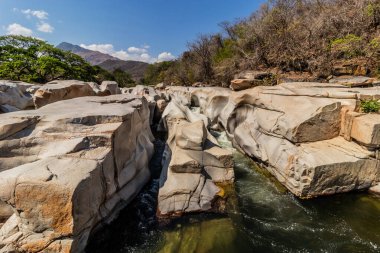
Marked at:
<point>45,27</point>
<point>165,56</point>
<point>103,48</point>
<point>132,53</point>
<point>136,50</point>
<point>17,29</point>
<point>40,14</point>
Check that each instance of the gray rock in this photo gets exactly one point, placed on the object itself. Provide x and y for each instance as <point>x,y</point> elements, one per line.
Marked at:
<point>68,168</point>
<point>301,132</point>
<point>61,90</point>
<point>190,150</point>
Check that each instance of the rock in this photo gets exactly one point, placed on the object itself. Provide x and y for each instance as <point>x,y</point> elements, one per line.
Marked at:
<point>308,135</point>
<point>243,84</point>
<point>185,184</point>
<point>191,135</point>
<point>198,84</point>
<point>111,86</point>
<point>126,90</point>
<point>160,86</point>
<point>250,79</point>
<point>33,89</point>
<point>14,95</point>
<point>68,168</point>
<point>161,105</point>
<point>350,67</point>
<point>291,76</point>
<point>375,189</point>
<point>8,108</point>
<point>61,90</point>
<point>365,129</point>
<point>355,81</point>
<point>251,75</point>
<point>5,212</point>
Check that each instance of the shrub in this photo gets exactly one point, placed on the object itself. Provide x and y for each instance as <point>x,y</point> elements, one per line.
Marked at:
<point>369,106</point>
<point>349,46</point>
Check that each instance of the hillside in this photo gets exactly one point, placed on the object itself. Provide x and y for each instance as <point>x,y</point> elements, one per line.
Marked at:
<point>135,68</point>
<point>306,40</point>
<point>92,57</point>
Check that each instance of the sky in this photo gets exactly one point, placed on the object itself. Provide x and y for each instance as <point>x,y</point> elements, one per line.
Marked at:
<point>145,30</point>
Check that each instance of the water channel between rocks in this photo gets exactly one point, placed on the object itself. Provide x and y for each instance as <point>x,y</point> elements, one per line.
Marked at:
<point>261,217</point>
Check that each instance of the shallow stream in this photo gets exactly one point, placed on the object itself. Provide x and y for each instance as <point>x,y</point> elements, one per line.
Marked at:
<point>262,217</point>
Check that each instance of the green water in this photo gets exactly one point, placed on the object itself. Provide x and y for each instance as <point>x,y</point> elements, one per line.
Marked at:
<point>262,217</point>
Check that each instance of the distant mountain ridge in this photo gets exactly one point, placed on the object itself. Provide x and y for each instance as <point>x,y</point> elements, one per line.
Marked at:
<point>107,62</point>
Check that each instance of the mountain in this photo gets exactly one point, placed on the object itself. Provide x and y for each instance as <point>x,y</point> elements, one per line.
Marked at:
<point>135,68</point>
<point>107,62</point>
<point>93,57</point>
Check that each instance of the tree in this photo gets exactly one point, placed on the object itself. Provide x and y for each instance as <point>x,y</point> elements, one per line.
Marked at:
<point>33,60</point>
<point>158,73</point>
<point>202,56</point>
<point>123,78</point>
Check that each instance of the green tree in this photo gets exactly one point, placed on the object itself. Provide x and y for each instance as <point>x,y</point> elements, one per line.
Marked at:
<point>158,72</point>
<point>33,60</point>
<point>124,79</point>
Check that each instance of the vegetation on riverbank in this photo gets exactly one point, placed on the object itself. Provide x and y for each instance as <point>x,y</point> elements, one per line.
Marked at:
<point>305,36</point>
<point>32,60</point>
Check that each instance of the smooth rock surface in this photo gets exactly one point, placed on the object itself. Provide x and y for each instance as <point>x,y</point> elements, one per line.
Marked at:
<point>310,136</point>
<point>110,86</point>
<point>375,189</point>
<point>61,90</point>
<point>185,183</point>
<point>14,95</point>
<point>70,166</point>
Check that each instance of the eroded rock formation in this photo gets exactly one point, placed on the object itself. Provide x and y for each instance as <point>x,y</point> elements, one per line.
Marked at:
<point>310,136</point>
<point>15,96</point>
<point>62,90</point>
<point>192,164</point>
<point>68,167</point>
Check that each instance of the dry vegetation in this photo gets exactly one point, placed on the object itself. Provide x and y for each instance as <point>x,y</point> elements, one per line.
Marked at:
<point>305,36</point>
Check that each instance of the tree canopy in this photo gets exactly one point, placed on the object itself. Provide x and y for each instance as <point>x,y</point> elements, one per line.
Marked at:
<point>33,60</point>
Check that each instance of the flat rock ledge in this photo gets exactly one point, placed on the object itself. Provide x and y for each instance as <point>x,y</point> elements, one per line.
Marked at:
<point>69,167</point>
<point>310,136</point>
<point>193,163</point>
<point>15,96</point>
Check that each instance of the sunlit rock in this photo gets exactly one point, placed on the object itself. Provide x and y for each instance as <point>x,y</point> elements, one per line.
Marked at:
<point>15,96</point>
<point>310,136</point>
<point>185,183</point>
<point>69,167</point>
<point>61,90</point>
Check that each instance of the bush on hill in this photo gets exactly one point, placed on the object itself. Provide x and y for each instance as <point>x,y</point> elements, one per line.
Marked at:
<point>286,35</point>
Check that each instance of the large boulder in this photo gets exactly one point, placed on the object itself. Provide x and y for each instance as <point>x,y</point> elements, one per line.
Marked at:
<point>310,136</point>
<point>192,164</point>
<point>61,90</point>
<point>110,86</point>
<point>249,79</point>
<point>15,96</point>
<point>69,167</point>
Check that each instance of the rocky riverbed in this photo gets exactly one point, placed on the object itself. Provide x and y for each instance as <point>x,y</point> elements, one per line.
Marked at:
<point>262,216</point>
<point>73,161</point>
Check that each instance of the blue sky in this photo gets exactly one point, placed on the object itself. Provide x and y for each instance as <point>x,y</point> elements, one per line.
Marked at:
<point>147,30</point>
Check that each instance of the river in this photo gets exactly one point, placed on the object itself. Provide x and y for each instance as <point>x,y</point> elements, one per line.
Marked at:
<point>262,217</point>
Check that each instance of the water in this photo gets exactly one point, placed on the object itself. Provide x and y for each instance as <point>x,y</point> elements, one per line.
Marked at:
<point>262,217</point>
